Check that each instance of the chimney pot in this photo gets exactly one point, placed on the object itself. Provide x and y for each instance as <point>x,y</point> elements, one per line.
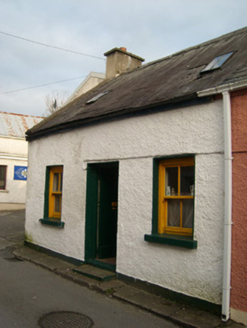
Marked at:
<point>123,49</point>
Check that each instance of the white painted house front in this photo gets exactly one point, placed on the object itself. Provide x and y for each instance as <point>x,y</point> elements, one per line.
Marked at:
<point>13,159</point>
<point>146,149</point>
<point>134,143</point>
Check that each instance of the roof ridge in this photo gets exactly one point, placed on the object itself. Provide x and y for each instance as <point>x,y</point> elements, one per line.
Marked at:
<point>169,83</point>
<point>199,45</point>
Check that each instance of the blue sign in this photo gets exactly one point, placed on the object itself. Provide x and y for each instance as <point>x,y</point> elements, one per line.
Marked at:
<point>20,173</point>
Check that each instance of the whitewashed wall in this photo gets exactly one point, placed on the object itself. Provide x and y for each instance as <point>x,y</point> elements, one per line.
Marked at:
<point>13,151</point>
<point>134,142</point>
<point>13,146</point>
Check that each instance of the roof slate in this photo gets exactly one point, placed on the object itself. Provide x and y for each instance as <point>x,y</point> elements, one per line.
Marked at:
<point>165,81</point>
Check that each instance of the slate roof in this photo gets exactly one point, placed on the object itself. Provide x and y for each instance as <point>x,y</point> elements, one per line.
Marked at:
<point>169,80</point>
<point>15,125</point>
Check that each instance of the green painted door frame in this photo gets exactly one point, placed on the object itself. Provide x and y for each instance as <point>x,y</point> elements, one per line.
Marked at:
<point>101,211</point>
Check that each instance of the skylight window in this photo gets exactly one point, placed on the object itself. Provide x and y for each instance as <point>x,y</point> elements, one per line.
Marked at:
<point>217,62</point>
<point>92,100</point>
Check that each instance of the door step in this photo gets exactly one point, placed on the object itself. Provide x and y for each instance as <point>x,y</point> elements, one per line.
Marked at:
<point>94,273</point>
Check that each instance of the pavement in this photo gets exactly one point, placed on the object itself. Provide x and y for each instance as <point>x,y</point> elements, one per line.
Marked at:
<point>102,281</point>
<point>181,314</point>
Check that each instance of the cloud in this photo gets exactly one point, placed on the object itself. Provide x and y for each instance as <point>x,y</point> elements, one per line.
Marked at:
<point>150,29</point>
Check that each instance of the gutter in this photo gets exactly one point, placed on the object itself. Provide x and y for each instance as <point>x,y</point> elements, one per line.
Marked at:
<point>225,91</point>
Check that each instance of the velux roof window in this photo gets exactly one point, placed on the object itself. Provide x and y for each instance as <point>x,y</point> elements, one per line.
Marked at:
<point>217,62</point>
<point>92,100</point>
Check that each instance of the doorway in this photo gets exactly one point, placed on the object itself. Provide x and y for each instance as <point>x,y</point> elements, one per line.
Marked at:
<point>101,214</point>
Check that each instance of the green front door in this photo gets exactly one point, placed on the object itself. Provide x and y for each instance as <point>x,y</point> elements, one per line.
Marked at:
<point>101,211</point>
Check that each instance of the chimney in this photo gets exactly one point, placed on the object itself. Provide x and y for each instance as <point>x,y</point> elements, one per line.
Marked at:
<point>119,60</point>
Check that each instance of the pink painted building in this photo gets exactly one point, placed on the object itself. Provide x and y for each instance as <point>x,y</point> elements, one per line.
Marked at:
<point>239,206</point>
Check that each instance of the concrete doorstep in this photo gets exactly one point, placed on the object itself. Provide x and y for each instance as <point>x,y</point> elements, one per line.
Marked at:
<point>105,283</point>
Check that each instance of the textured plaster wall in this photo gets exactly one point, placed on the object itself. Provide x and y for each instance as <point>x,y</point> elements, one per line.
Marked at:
<point>15,192</point>
<point>134,142</point>
<point>12,146</point>
<point>239,209</point>
<point>192,272</point>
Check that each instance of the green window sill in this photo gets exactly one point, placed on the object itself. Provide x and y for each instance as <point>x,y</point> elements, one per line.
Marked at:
<point>174,240</point>
<point>52,222</point>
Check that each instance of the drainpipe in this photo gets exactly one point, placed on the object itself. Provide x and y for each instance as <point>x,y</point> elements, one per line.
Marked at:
<point>227,207</point>
<point>224,90</point>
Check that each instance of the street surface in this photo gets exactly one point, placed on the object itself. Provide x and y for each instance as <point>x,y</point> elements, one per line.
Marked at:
<point>28,292</point>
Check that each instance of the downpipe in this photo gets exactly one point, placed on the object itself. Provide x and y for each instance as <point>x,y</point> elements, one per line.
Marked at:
<point>227,207</point>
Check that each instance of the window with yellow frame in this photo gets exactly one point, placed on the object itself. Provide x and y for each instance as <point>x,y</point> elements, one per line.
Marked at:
<point>176,196</point>
<point>55,191</point>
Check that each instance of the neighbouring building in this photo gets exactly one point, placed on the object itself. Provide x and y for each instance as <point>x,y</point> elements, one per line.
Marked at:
<point>239,213</point>
<point>13,159</point>
<point>91,81</point>
<point>144,174</point>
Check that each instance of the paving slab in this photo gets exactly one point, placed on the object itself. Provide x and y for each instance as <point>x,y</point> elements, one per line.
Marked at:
<point>196,318</point>
<point>48,262</point>
<point>95,273</point>
<point>25,253</point>
<point>145,300</point>
<point>110,287</point>
<point>80,279</point>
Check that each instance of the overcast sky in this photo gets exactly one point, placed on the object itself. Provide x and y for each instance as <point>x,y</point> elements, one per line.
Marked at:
<point>151,29</point>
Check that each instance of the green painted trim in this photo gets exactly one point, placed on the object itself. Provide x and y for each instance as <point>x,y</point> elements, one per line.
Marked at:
<point>173,156</point>
<point>91,210</point>
<point>173,240</point>
<point>193,222</point>
<point>46,192</point>
<point>58,224</point>
<point>155,195</point>
<point>91,213</point>
<point>51,253</point>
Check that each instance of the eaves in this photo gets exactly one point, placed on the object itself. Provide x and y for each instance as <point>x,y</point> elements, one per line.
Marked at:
<point>188,100</point>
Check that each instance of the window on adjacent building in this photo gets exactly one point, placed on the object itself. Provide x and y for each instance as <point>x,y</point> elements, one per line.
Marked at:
<point>176,196</point>
<point>3,171</point>
<point>55,191</point>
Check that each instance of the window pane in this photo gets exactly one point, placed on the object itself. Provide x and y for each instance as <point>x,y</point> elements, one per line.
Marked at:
<point>187,180</point>
<point>55,181</point>
<point>173,213</point>
<point>57,204</point>
<point>2,177</point>
<point>188,205</point>
<point>61,182</point>
<point>171,181</point>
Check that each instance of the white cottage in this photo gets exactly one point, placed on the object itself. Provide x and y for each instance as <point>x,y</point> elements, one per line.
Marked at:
<point>130,175</point>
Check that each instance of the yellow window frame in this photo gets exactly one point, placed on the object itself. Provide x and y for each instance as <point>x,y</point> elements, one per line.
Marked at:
<point>163,198</point>
<point>55,194</point>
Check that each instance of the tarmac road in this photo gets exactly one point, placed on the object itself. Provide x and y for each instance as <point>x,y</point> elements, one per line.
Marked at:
<point>12,229</point>
<point>28,292</point>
